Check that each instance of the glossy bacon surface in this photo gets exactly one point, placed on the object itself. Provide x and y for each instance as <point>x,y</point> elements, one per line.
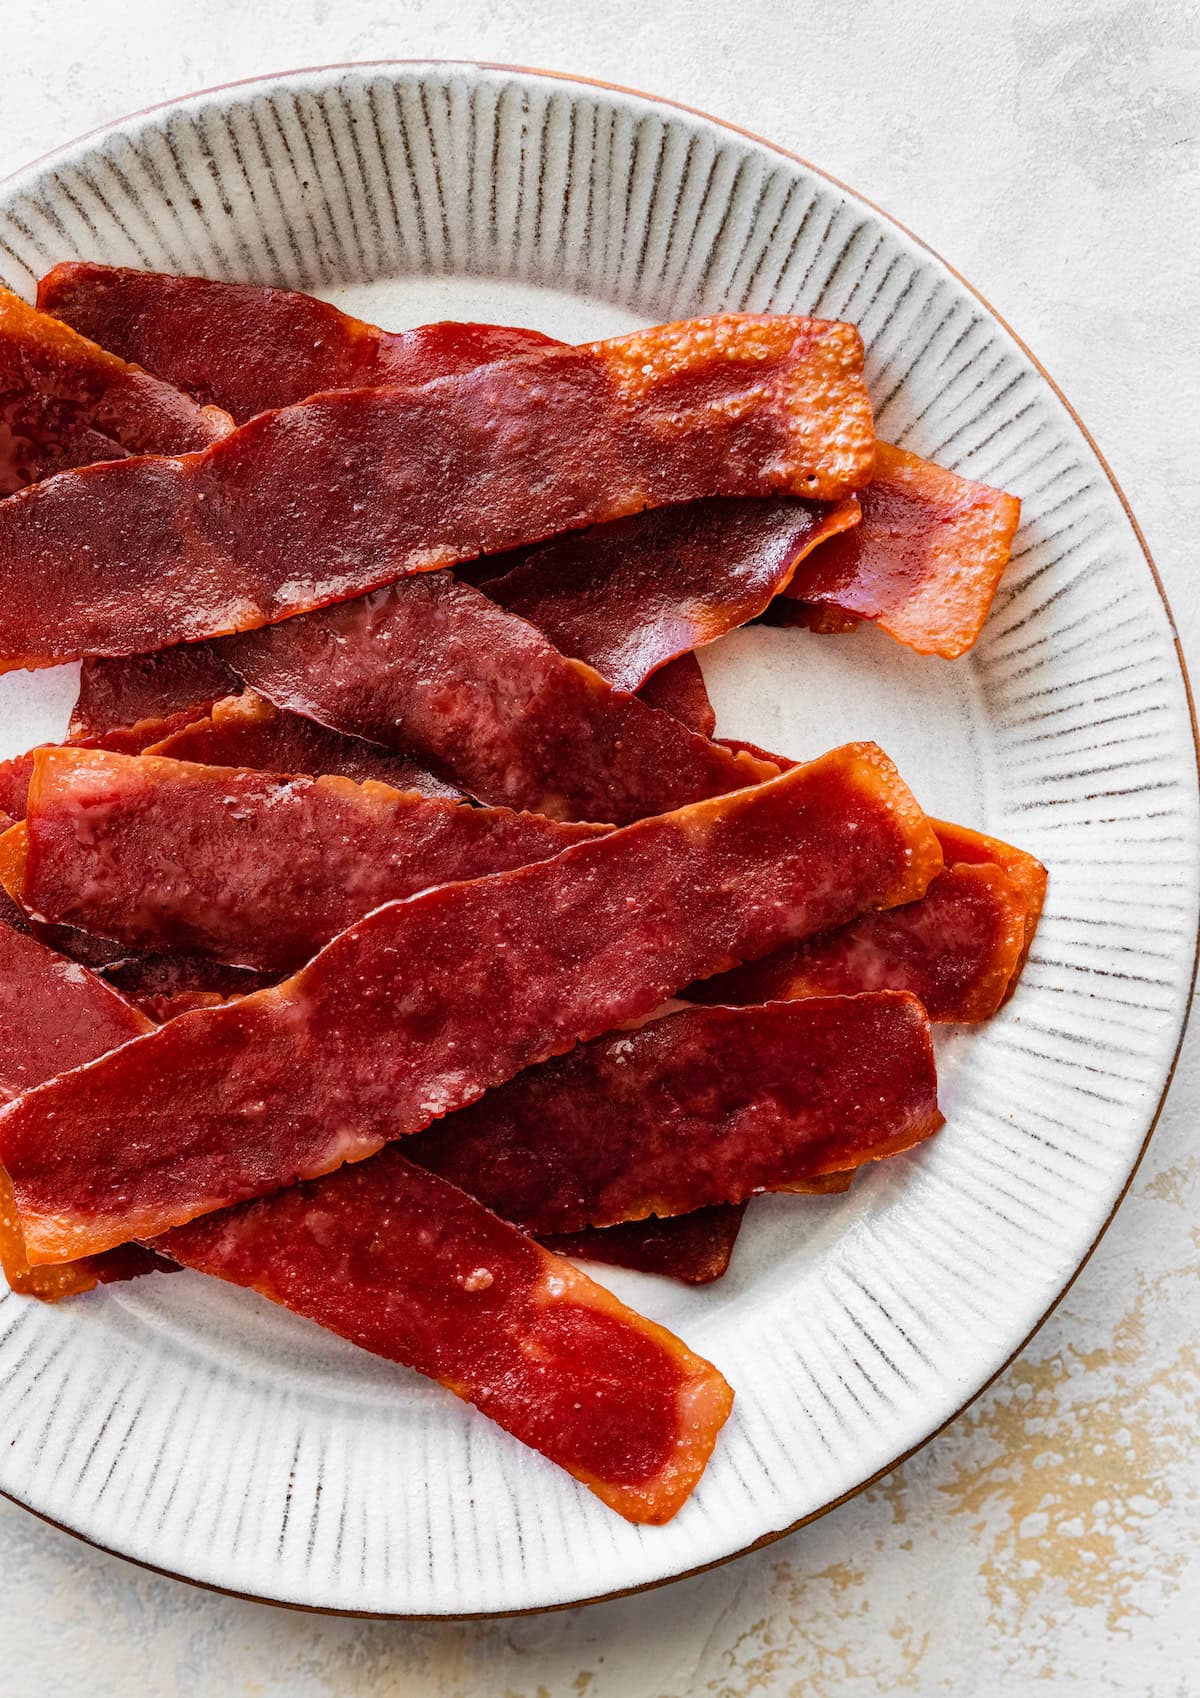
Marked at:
<point>629,596</point>
<point>64,402</point>
<point>352,489</point>
<point>488,701</point>
<point>709,1106</point>
<point>250,349</point>
<point>959,948</point>
<point>1025,871</point>
<point>54,1014</point>
<point>925,562</point>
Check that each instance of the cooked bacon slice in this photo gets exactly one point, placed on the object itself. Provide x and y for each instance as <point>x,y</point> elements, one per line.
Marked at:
<point>15,774</point>
<point>484,698</point>
<point>14,784</point>
<point>250,349</point>
<point>349,490</point>
<point>426,1003</point>
<point>409,1267</point>
<point>158,985</point>
<point>184,686</point>
<point>695,1248</point>
<point>64,402</point>
<point>247,867</point>
<point>709,1106</point>
<point>121,700</point>
<point>678,688</point>
<point>975,848</point>
<point>54,1015</point>
<point>179,684</point>
<point>629,596</point>
<point>925,562</point>
<point>957,948</point>
<point>960,947</point>
<point>248,730</point>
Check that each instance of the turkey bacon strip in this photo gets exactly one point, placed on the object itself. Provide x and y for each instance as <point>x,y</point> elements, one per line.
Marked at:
<point>352,489</point>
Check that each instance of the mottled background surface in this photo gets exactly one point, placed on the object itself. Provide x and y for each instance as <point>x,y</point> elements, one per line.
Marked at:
<point>1052,153</point>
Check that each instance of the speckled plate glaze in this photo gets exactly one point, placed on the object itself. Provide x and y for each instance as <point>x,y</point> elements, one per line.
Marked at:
<point>202,1431</point>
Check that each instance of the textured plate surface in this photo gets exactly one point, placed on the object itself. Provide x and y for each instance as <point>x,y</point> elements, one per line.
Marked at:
<point>198,1429</point>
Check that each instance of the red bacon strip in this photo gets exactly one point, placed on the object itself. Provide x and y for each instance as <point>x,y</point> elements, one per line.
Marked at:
<point>76,946</point>
<point>349,490</point>
<point>488,702</point>
<point>250,349</point>
<point>710,1106</point>
<point>14,785</point>
<point>629,596</point>
<point>678,688</point>
<point>54,1015</point>
<point>426,1003</point>
<point>961,846</point>
<point>64,402</point>
<point>160,985</point>
<point>193,689</point>
<point>15,774</point>
<point>956,948</point>
<point>180,688</point>
<point>179,684</point>
<point>924,564</point>
<point>409,1267</point>
<point>694,1248</point>
<point>960,947</point>
<point>249,731</point>
<point>249,868</point>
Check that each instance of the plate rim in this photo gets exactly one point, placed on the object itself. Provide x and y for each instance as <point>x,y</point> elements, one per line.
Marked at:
<point>67,148</point>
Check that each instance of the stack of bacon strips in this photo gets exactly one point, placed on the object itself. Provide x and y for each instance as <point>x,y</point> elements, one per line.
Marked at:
<point>390,922</point>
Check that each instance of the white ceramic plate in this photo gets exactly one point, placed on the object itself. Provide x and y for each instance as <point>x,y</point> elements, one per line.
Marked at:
<point>201,1430</point>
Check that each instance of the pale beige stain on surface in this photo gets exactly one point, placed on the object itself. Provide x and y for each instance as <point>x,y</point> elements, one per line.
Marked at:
<point>1078,1452</point>
<point>1172,1184</point>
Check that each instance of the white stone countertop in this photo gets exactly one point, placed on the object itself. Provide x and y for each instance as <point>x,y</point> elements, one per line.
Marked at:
<point>1048,1541</point>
